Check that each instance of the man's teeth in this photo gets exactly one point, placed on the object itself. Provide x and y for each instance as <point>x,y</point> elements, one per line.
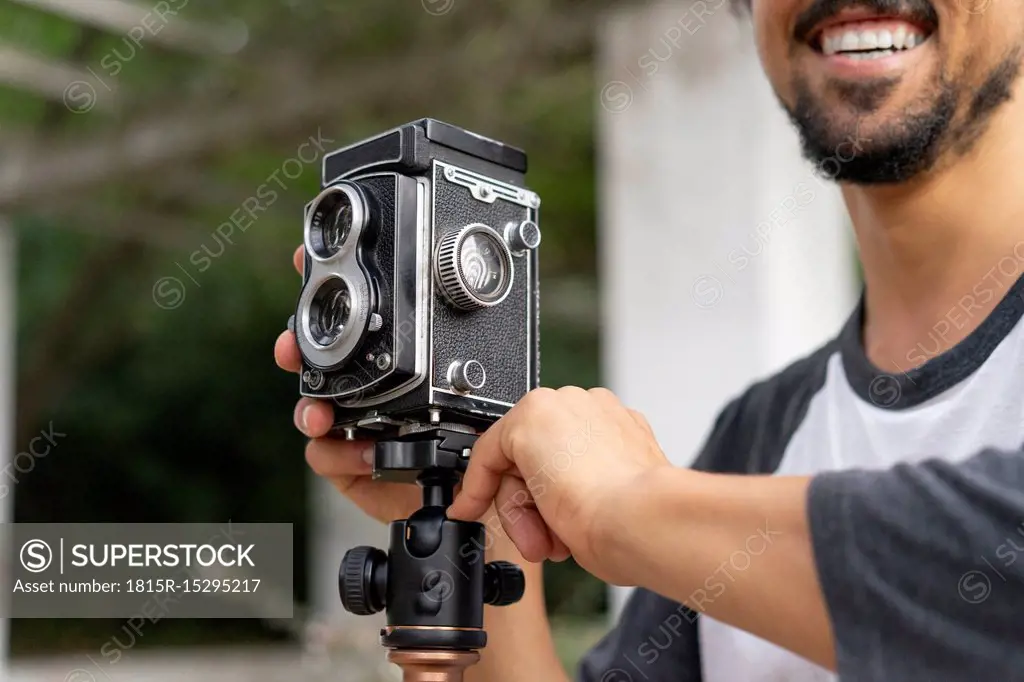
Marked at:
<point>870,43</point>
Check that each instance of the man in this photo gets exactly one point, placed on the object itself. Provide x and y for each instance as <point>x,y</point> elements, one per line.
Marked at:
<point>904,570</point>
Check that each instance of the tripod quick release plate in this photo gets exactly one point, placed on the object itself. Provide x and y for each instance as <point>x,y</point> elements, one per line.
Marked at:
<point>402,460</point>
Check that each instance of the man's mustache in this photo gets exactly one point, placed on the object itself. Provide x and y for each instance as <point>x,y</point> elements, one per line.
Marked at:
<point>918,11</point>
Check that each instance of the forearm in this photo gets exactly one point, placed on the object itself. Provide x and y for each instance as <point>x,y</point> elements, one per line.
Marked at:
<point>737,548</point>
<point>519,643</point>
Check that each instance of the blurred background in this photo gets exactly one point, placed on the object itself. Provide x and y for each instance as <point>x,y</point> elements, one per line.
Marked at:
<point>677,265</point>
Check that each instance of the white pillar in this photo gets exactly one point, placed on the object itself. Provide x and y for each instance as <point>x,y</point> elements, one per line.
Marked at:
<point>722,257</point>
<point>338,525</point>
<point>8,326</point>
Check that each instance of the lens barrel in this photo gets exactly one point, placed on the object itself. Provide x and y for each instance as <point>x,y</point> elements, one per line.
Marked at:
<point>329,311</point>
<point>331,219</point>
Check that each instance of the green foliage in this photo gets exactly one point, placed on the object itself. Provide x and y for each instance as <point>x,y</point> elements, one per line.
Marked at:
<point>180,414</point>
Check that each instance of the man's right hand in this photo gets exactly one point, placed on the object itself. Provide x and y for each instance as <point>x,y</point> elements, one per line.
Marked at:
<point>346,464</point>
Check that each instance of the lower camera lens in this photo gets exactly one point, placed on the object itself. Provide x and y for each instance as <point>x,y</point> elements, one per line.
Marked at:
<point>331,220</point>
<point>329,312</point>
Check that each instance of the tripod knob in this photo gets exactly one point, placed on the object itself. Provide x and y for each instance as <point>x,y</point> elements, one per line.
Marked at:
<point>362,580</point>
<point>504,583</point>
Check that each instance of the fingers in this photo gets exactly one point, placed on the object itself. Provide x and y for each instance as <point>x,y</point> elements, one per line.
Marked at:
<point>483,477</point>
<point>333,459</point>
<point>559,552</point>
<point>516,441</point>
<point>286,352</point>
<point>641,421</point>
<point>522,522</point>
<point>606,400</point>
<point>314,418</point>
<point>611,404</point>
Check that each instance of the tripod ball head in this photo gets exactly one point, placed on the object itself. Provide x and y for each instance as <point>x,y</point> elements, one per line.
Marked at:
<point>433,581</point>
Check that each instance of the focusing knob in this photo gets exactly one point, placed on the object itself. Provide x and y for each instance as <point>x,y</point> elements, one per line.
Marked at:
<point>467,377</point>
<point>522,237</point>
<point>474,267</point>
<point>504,583</point>
<point>361,579</point>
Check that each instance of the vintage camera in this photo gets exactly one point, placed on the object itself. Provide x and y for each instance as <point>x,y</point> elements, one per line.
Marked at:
<point>419,302</point>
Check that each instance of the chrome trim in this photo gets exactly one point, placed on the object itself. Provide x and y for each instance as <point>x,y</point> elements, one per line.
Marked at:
<point>489,190</point>
<point>532,204</point>
<point>360,217</point>
<point>422,291</point>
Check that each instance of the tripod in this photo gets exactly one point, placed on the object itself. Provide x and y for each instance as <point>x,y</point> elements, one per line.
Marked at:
<point>433,581</point>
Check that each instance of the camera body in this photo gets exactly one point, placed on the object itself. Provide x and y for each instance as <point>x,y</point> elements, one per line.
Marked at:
<point>419,304</point>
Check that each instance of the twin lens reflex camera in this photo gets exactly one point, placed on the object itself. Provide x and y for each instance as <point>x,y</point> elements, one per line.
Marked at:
<point>418,321</point>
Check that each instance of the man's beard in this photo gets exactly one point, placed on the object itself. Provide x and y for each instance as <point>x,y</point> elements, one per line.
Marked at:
<point>913,142</point>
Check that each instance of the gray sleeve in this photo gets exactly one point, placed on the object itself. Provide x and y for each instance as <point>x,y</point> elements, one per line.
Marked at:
<point>655,640</point>
<point>922,568</point>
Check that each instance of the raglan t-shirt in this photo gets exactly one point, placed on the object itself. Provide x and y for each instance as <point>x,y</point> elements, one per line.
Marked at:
<point>916,512</point>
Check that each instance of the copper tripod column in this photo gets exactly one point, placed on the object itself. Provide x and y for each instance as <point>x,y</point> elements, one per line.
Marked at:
<point>432,666</point>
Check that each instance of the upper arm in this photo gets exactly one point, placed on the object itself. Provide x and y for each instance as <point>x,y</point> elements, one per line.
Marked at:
<point>922,568</point>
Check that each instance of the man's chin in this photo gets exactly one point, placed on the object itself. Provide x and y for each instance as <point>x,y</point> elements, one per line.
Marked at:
<point>885,146</point>
<point>855,158</point>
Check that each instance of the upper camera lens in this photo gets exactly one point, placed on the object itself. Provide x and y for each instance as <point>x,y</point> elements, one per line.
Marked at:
<point>336,212</point>
<point>329,312</point>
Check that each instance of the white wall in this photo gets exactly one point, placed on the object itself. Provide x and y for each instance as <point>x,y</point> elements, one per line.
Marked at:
<point>338,526</point>
<point>697,158</point>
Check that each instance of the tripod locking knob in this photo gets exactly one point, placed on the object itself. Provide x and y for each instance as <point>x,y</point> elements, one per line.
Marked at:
<point>504,583</point>
<point>362,580</point>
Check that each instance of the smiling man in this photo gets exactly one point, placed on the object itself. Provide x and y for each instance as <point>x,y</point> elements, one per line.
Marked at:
<point>887,543</point>
<point>922,379</point>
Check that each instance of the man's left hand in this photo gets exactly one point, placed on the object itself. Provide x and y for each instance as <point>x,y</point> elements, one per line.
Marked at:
<point>559,467</point>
